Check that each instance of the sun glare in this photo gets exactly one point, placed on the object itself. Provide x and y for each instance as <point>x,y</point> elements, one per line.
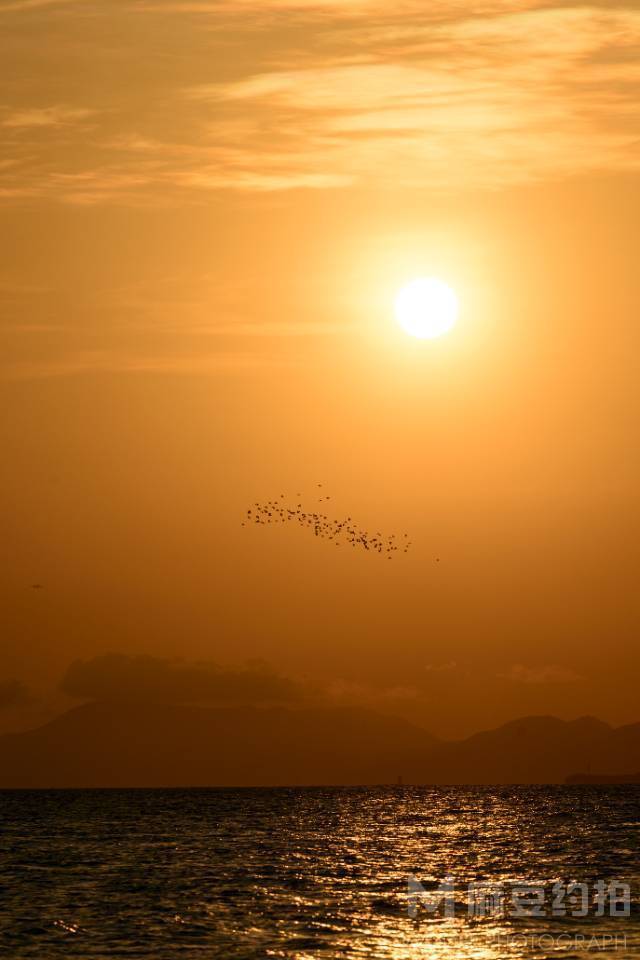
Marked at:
<point>426,308</point>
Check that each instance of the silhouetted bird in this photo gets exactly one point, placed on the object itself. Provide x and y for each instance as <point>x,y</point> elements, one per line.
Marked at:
<point>326,528</point>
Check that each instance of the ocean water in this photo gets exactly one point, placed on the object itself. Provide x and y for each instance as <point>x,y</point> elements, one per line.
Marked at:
<point>319,873</point>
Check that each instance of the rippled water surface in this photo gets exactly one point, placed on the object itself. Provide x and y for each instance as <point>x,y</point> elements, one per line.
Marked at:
<point>308,873</point>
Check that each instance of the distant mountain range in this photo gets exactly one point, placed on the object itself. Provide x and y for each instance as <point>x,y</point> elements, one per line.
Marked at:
<point>592,779</point>
<point>120,744</point>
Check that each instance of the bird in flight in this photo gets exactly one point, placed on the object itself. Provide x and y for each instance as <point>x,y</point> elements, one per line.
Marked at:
<point>336,530</point>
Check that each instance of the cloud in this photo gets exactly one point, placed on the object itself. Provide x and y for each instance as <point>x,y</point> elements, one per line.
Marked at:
<point>146,678</point>
<point>45,116</point>
<point>447,99</point>
<point>79,363</point>
<point>355,693</point>
<point>10,287</point>
<point>450,666</point>
<point>13,693</point>
<point>17,6</point>
<point>262,182</point>
<point>479,102</point>
<point>116,676</point>
<point>342,9</point>
<point>547,674</point>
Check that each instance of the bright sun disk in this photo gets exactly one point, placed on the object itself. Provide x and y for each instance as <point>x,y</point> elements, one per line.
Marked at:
<point>426,308</point>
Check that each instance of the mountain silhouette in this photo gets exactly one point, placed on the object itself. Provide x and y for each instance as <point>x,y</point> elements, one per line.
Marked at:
<point>591,779</point>
<point>121,744</point>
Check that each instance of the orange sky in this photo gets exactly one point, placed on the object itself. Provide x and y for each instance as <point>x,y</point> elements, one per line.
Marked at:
<point>207,209</point>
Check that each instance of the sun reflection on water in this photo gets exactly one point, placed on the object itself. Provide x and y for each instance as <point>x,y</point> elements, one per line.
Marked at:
<point>304,874</point>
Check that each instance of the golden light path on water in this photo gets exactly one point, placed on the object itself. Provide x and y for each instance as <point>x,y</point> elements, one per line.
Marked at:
<point>313,873</point>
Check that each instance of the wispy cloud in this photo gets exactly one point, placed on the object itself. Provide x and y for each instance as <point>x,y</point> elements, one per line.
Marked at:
<point>481,102</point>
<point>54,116</point>
<point>116,676</point>
<point>546,674</point>
<point>16,6</point>
<point>448,99</point>
<point>11,287</point>
<point>342,9</point>
<point>94,362</point>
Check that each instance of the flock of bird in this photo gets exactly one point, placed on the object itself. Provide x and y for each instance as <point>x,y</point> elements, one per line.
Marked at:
<point>339,532</point>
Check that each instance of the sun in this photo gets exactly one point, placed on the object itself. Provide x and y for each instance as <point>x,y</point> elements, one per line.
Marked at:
<point>426,308</point>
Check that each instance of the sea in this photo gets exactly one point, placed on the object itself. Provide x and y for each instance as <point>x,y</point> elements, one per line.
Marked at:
<point>372,872</point>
